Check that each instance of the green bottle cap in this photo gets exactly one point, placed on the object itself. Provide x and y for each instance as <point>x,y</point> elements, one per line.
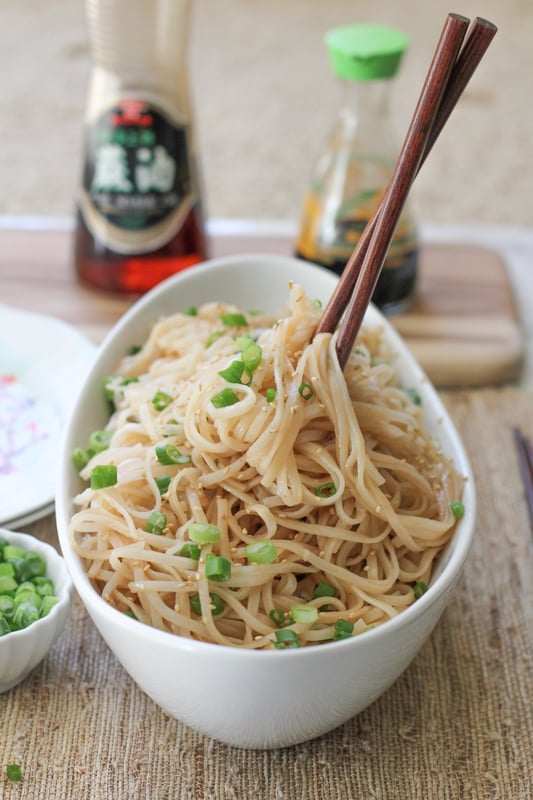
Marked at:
<point>365,52</point>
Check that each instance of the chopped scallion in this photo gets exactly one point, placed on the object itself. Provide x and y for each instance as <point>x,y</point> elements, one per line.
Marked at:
<point>324,590</point>
<point>419,588</point>
<point>304,613</point>
<point>414,396</point>
<point>286,639</point>
<point>14,772</point>
<point>234,320</point>
<point>168,454</point>
<point>213,337</point>
<point>325,489</point>
<point>226,397</point>
<point>233,373</point>
<point>156,523</point>
<point>458,509</point>
<point>81,458</point>
<point>163,482</point>
<point>343,629</point>
<point>161,400</point>
<point>203,533</point>
<point>263,552</point>
<point>270,395</point>
<point>103,475</point>
<point>217,568</point>
<point>306,391</point>
<point>192,312</point>
<point>252,356</point>
<point>190,550</point>
<point>216,604</point>
<point>278,617</point>
<point>99,440</point>
<point>243,342</point>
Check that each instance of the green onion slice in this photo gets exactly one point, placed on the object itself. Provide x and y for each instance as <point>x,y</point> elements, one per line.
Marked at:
<point>217,604</point>
<point>306,391</point>
<point>234,320</point>
<point>161,400</point>
<point>325,489</point>
<point>304,613</point>
<point>262,552</point>
<point>213,337</point>
<point>324,590</point>
<point>14,772</point>
<point>192,312</point>
<point>233,373</point>
<point>226,397</point>
<point>458,509</point>
<point>252,356</point>
<point>414,396</point>
<point>81,458</point>
<point>190,550</point>
<point>285,639</point>
<point>270,394</point>
<point>103,475</point>
<point>203,533</point>
<point>278,617</point>
<point>217,568</point>
<point>243,342</point>
<point>168,454</point>
<point>163,483</point>
<point>99,440</point>
<point>343,629</point>
<point>156,522</point>
<point>419,588</point>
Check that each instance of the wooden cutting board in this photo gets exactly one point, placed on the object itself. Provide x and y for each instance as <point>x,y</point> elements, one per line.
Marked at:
<point>463,327</point>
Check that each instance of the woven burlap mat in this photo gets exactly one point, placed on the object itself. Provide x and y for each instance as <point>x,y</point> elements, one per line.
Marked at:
<point>457,724</point>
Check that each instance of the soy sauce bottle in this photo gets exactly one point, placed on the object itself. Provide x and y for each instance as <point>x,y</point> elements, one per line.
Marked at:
<point>352,173</point>
<point>139,211</point>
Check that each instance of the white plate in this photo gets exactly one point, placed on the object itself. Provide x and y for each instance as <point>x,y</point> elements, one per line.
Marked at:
<point>43,362</point>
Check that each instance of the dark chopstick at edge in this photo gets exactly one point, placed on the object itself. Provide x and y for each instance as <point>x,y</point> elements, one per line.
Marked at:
<point>525,461</point>
<point>449,74</point>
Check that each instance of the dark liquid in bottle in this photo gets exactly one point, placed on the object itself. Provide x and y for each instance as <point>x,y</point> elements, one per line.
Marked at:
<point>99,267</point>
<point>396,284</point>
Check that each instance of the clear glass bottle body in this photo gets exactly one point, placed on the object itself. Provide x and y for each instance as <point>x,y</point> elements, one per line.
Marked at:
<point>140,215</point>
<point>347,183</point>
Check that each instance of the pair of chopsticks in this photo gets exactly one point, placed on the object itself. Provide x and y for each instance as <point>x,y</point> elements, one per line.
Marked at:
<point>524,449</point>
<point>455,60</point>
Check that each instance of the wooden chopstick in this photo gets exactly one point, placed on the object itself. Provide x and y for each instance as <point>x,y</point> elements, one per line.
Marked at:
<point>475,45</point>
<point>525,460</point>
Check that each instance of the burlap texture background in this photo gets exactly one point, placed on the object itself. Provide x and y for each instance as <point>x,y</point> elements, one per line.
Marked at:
<point>457,725</point>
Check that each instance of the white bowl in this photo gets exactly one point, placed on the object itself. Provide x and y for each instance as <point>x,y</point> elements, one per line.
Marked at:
<point>243,697</point>
<point>21,651</point>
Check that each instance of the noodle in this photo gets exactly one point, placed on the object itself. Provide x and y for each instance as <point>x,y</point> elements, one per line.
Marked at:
<point>331,474</point>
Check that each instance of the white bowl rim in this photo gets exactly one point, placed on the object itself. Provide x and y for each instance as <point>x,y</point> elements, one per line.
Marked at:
<point>460,543</point>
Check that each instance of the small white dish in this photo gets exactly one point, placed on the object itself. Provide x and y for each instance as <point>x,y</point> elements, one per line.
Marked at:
<point>21,651</point>
<point>43,361</point>
<point>248,698</point>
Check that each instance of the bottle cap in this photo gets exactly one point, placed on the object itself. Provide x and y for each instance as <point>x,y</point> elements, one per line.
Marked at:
<point>365,52</point>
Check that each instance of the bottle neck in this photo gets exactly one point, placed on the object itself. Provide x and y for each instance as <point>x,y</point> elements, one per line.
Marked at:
<point>365,109</point>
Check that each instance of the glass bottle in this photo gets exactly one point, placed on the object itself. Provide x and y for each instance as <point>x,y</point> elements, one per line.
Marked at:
<point>139,211</point>
<point>350,176</point>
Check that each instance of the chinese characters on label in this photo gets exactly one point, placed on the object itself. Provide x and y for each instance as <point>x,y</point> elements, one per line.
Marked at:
<point>154,170</point>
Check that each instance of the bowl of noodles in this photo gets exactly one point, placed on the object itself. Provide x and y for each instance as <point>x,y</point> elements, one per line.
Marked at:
<point>264,540</point>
